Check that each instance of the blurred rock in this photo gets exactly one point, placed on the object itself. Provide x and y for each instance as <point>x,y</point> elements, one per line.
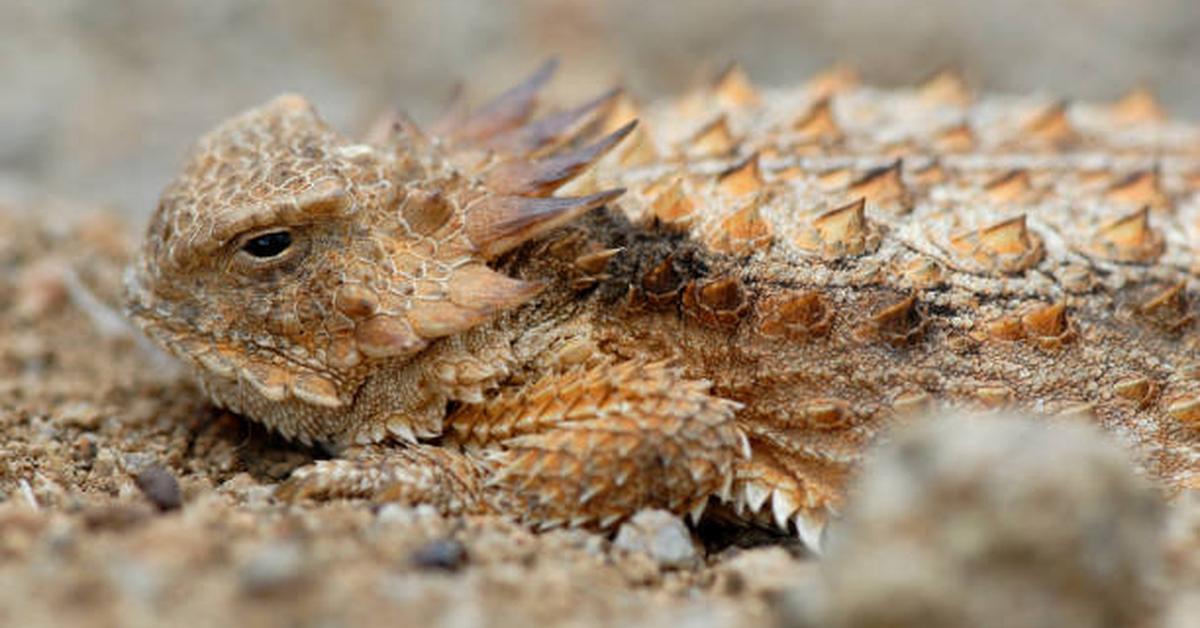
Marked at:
<point>273,568</point>
<point>159,486</point>
<point>443,554</point>
<point>1183,562</point>
<point>992,521</point>
<point>660,535</point>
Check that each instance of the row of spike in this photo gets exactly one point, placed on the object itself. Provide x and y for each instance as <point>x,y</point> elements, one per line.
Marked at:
<point>724,302</point>
<point>501,125</point>
<point>733,88</point>
<point>1007,246</point>
<point>886,186</point>
<point>818,131</point>
<point>819,126</point>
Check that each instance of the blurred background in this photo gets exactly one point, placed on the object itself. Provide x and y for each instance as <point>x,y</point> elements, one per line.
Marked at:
<point>99,100</point>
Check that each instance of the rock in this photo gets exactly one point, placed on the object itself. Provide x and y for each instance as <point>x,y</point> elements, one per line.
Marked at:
<point>444,554</point>
<point>992,521</point>
<point>659,535</point>
<point>275,567</point>
<point>160,487</point>
<point>1183,560</point>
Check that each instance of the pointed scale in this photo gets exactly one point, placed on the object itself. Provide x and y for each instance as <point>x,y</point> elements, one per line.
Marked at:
<point>507,111</point>
<point>496,224</point>
<point>555,127</point>
<point>544,176</point>
<point>733,88</point>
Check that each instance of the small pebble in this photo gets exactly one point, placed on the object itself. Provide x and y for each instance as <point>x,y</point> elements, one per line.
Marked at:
<point>275,567</point>
<point>160,487</point>
<point>660,535</point>
<point>444,554</point>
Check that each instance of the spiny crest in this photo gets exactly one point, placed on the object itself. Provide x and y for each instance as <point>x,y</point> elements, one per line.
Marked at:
<point>1168,307</point>
<point>742,178</point>
<point>743,232</point>
<point>718,303</point>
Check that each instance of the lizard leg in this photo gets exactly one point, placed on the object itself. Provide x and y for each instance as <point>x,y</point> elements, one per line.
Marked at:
<point>591,447</point>
<point>408,473</point>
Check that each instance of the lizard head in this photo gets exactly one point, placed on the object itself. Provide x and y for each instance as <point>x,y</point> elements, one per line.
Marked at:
<point>288,264</point>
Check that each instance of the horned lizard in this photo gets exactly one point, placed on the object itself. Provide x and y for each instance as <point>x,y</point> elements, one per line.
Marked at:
<point>722,298</point>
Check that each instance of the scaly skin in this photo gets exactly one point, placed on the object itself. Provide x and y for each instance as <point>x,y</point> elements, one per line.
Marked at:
<point>729,301</point>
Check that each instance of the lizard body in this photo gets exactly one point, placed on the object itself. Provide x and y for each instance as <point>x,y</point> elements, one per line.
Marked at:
<point>569,318</point>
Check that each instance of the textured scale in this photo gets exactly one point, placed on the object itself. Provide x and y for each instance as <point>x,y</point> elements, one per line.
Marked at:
<point>723,298</point>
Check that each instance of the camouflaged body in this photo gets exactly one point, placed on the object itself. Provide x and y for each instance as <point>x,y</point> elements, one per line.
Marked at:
<point>816,263</point>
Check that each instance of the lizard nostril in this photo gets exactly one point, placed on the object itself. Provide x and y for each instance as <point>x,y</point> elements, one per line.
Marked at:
<point>268,245</point>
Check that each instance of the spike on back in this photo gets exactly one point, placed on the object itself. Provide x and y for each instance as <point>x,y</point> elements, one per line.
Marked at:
<point>743,178</point>
<point>1008,246</point>
<point>1138,106</point>
<point>819,123</point>
<point>833,80</point>
<point>712,140</point>
<point>673,206</point>
<point>932,174</point>
<point>956,139</point>
<point>497,224</point>
<point>884,187</point>
<point>840,232</point>
<point>1052,127</point>
<point>1011,187</point>
<point>503,113</point>
<point>945,88</point>
<point>544,176</point>
<point>1138,189</point>
<point>742,232</point>
<point>733,88</point>
<point>1129,239</point>
<point>556,128</point>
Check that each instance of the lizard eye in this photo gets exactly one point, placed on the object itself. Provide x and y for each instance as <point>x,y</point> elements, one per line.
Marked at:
<point>268,245</point>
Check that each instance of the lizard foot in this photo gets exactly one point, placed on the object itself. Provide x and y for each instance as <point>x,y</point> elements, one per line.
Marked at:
<point>411,474</point>
<point>592,447</point>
